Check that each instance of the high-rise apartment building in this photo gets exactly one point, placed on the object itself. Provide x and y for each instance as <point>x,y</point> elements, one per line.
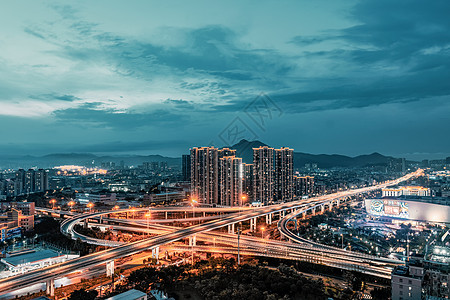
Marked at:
<point>247,181</point>
<point>303,186</point>
<point>263,177</point>
<point>40,180</point>
<point>206,184</point>
<point>186,167</point>
<point>205,175</point>
<point>219,177</point>
<point>230,180</point>
<point>283,174</point>
<point>20,180</point>
<point>226,152</point>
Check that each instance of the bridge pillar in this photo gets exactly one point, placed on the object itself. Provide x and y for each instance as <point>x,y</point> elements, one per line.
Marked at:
<point>204,214</point>
<point>338,202</point>
<point>313,210</point>
<point>85,223</point>
<point>110,268</point>
<point>304,215</point>
<point>192,240</point>
<point>253,224</point>
<point>155,254</point>
<point>322,208</point>
<point>330,206</point>
<point>50,287</point>
<point>231,228</point>
<point>165,215</point>
<point>269,219</point>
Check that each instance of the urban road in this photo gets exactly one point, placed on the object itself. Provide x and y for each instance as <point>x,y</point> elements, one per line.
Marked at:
<point>54,271</point>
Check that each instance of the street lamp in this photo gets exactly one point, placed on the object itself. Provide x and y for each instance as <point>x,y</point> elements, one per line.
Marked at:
<point>71,204</point>
<point>53,201</point>
<point>90,205</point>
<point>243,198</point>
<point>148,215</point>
<point>262,232</point>
<point>193,202</point>
<point>239,235</point>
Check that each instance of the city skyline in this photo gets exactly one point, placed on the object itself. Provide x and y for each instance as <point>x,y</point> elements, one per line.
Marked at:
<point>225,150</point>
<point>342,77</point>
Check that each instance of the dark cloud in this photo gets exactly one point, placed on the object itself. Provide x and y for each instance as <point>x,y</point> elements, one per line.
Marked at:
<point>130,147</point>
<point>399,52</point>
<point>180,104</point>
<point>92,114</point>
<point>69,98</point>
<point>397,55</point>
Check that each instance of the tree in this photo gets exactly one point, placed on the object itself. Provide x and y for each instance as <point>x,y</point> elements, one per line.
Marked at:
<point>82,294</point>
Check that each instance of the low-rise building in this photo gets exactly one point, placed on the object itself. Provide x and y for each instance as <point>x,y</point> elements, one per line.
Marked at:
<point>406,283</point>
<point>103,198</point>
<point>163,197</point>
<point>421,279</point>
<point>406,191</point>
<point>130,295</point>
<point>14,218</point>
<point>32,260</point>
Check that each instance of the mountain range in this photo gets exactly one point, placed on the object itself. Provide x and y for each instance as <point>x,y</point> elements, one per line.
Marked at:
<point>244,149</point>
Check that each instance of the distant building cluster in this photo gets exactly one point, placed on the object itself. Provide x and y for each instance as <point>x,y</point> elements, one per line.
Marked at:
<point>25,182</point>
<point>219,177</point>
<point>155,166</point>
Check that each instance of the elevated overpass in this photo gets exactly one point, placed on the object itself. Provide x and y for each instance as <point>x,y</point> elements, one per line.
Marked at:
<point>48,274</point>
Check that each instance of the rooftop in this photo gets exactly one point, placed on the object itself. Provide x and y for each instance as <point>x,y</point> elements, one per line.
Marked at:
<point>128,295</point>
<point>30,257</point>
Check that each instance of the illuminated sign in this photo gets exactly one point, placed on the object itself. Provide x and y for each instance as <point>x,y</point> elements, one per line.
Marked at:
<point>389,208</point>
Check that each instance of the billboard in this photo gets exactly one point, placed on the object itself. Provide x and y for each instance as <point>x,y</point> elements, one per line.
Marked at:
<point>389,208</point>
<point>408,209</point>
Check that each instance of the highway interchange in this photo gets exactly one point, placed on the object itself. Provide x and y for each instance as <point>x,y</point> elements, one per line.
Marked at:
<point>330,255</point>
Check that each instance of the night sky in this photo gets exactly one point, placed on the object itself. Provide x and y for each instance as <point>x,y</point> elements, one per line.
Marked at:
<point>142,77</point>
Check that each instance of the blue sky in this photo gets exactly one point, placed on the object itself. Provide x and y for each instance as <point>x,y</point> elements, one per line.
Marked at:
<point>144,77</point>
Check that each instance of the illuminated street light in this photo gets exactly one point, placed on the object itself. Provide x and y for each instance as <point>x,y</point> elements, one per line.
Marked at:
<point>262,232</point>
<point>193,202</point>
<point>90,205</point>
<point>71,204</point>
<point>148,216</point>
<point>116,207</point>
<point>243,198</point>
<point>53,201</point>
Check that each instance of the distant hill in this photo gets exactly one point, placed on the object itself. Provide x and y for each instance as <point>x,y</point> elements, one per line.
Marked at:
<point>83,159</point>
<point>244,149</point>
